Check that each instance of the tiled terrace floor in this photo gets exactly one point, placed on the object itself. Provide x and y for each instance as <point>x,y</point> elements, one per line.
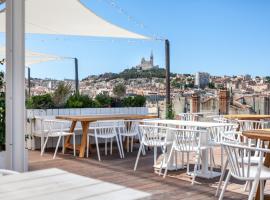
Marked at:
<point>120,171</point>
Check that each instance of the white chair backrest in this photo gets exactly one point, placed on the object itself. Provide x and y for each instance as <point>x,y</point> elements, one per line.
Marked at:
<point>239,157</point>
<point>104,131</point>
<point>54,125</point>
<point>217,132</point>
<point>153,135</point>
<point>245,125</point>
<point>186,139</point>
<point>189,117</point>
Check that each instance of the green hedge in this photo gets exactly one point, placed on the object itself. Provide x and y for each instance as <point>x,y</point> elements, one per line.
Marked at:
<point>102,100</point>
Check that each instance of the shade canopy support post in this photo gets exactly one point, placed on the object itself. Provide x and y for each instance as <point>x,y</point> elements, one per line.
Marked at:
<point>15,85</point>
<point>76,76</point>
<point>29,81</point>
<point>167,64</point>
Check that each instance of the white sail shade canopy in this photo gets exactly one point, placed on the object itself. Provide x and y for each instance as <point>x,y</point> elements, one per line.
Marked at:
<point>32,58</point>
<point>67,17</point>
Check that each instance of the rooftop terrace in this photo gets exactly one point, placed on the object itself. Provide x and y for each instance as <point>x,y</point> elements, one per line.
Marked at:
<point>177,184</point>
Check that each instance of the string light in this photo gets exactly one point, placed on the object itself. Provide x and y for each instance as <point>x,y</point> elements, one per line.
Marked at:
<point>130,18</point>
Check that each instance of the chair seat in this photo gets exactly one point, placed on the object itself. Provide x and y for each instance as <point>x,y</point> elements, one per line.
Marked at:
<point>59,133</point>
<point>189,150</point>
<point>103,136</point>
<point>130,134</point>
<point>156,143</point>
<point>253,160</point>
<point>264,175</point>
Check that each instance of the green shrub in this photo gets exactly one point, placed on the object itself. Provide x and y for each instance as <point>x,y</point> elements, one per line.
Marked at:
<point>80,101</point>
<point>134,101</point>
<point>104,100</point>
<point>40,102</point>
<point>170,114</point>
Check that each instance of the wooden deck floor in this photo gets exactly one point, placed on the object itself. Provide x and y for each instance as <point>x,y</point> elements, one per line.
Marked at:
<point>120,171</point>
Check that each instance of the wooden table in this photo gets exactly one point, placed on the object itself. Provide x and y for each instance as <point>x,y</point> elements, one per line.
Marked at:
<point>264,135</point>
<point>247,117</point>
<point>87,119</point>
<point>58,184</point>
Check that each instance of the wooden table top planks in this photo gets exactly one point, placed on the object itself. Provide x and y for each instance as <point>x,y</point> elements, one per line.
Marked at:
<point>262,134</point>
<point>247,117</point>
<point>57,184</point>
<point>92,118</point>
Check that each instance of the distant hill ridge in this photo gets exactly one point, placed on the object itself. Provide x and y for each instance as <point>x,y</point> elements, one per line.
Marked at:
<point>132,74</point>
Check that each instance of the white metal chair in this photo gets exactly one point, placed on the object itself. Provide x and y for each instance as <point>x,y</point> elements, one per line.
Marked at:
<point>187,141</point>
<point>245,171</point>
<point>189,116</point>
<point>57,129</point>
<point>128,129</point>
<point>215,138</point>
<point>153,136</point>
<point>245,125</point>
<point>104,131</point>
<point>38,128</point>
<point>236,137</point>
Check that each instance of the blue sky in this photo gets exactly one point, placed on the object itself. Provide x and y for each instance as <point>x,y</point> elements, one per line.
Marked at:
<point>217,36</point>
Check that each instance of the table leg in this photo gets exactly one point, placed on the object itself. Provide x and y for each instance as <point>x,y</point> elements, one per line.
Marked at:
<point>204,171</point>
<point>85,126</point>
<point>67,142</point>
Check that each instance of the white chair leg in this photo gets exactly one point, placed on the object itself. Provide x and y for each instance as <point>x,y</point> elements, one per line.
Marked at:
<point>42,141</point>
<point>111,146</point>
<point>225,186</point>
<point>63,145</point>
<point>167,163</point>
<point>253,189</point>
<point>106,146</point>
<point>246,186</point>
<point>143,149</point>
<point>155,156</point>
<point>87,146</point>
<point>197,161</point>
<point>131,145</point>
<point>98,153</point>
<point>221,177</point>
<point>119,148</point>
<point>74,145</point>
<point>56,148</point>
<point>183,159</point>
<point>44,146</point>
<point>175,159</point>
<point>138,156</point>
<point>221,156</point>
<point>188,163</point>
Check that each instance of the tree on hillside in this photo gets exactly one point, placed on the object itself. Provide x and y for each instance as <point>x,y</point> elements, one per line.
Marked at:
<point>61,94</point>
<point>104,100</point>
<point>119,90</point>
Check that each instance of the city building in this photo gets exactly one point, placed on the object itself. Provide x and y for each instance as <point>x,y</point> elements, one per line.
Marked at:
<point>202,79</point>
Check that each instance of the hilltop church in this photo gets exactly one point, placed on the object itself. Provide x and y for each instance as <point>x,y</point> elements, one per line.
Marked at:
<point>147,64</point>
